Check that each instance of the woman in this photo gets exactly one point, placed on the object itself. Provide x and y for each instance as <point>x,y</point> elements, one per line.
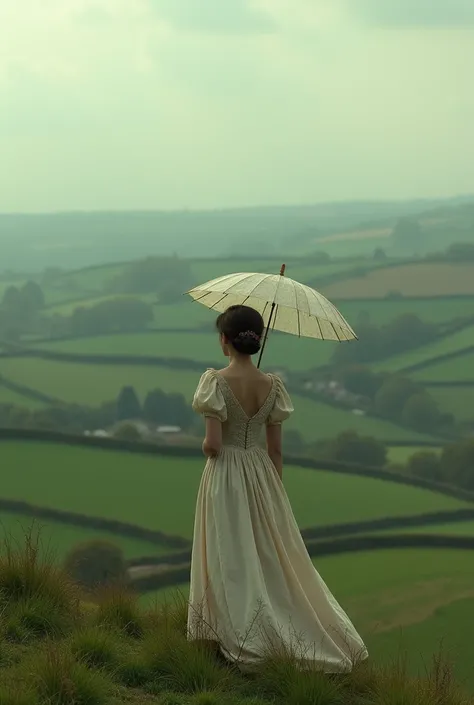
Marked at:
<point>253,585</point>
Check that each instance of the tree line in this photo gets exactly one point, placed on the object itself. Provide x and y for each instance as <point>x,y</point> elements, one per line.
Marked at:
<point>158,408</point>
<point>374,343</point>
<point>453,466</point>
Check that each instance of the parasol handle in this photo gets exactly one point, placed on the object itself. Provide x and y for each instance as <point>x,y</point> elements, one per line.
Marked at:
<point>272,311</point>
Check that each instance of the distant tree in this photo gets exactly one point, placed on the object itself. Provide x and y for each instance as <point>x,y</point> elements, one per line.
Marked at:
<point>460,252</point>
<point>379,254</point>
<point>425,464</point>
<point>128,405</point>
<point>11,297</point>
<point>392,396</point>
<point>407,232</point>
<point>421,412</point>
<point>457,463</point>
<point>96,563</point>
<point>154,407</point>
<point>367,349</point>
<point>167,276</point>
<point>167,409</point>
<point>32,296</point>
<point>125,313</point>
<point>349,447</point>
<point>405,332</point>
<point>360,379</point>
<point>127,431</point>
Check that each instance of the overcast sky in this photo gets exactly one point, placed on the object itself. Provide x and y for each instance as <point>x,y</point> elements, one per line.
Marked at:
<point>113,104</point>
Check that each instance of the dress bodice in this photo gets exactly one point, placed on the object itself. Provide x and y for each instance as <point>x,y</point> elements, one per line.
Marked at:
<point>215,398</point>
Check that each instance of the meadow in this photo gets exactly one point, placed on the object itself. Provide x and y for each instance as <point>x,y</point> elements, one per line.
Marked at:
<point>7,396</point>
<point>281,351</point>
<point>56,539</point>
<point>458,401</point>
<point>60,646</point>
<point>400,454</point>
<point>159,492</point>
<point>93,384</point>
<point>463,338</point>
<point>408,603</point>
<point>457,369</point>
<point>417,279</point>
<point>382,311</point>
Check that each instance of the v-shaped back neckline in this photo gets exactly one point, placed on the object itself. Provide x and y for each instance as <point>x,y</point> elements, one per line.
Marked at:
<point>237,402</point>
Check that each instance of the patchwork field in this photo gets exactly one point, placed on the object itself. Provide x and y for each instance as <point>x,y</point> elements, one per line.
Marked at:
<point>438,279</point>
<point>458,369</point>
<point>400,454</point>
<point>458,401</point>
<point>56,539</point>
<point>449,344</point>
<point>382,311</point>
<point>160,492</point>
<point>91,385</point>
<point>281,351</point>
<point>7,396</point>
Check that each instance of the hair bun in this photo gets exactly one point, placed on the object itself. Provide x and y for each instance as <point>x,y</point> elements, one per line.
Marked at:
<point>247,342</point>
<point>249,335</point>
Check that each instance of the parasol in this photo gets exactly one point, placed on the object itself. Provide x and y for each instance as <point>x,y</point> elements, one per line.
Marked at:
<point>285,304</point>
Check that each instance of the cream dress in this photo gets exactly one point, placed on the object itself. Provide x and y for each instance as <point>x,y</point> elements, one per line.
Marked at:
<point>253,584</point>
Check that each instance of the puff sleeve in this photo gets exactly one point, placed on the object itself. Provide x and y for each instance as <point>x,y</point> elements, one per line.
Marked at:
<point>208,398</point>
<point>282,408</point>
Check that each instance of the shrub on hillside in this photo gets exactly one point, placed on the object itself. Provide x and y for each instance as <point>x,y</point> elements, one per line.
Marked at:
<point>127,432</point>
<point>421,412</point>
<point>349,447</point>
<point>425,464</point>
<point>95,563</point>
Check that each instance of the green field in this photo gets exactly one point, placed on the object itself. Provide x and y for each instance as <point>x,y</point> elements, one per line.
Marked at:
<point>458,401</point>
<point>91,385</point>
<point>382,311</point>
<point>454,370</point>
<point>316,420</point>
<point>450,343</point>
<point>403,602</point>
<point>413,279</point>
<point>57,538</point>
<point>281,351</point>
<point>7,396</point>
<point>461,528</point>
<point>400,454</point>
<point>89,280</point>
<point>160,492</point>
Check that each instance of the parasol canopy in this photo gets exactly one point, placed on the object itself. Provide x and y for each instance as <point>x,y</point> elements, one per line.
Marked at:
<point>285,304</point>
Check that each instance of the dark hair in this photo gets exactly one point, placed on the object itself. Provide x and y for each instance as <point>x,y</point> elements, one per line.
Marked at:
<point>243,327</point>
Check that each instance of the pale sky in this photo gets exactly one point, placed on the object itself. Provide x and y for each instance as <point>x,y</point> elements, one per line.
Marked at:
<point>151,104</point>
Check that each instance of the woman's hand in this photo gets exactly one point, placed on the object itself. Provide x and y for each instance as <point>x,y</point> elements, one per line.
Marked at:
<point>208,450</point>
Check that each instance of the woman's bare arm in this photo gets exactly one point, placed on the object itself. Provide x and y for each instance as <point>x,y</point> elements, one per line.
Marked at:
<point>274,443</point>
<point>212,443</point>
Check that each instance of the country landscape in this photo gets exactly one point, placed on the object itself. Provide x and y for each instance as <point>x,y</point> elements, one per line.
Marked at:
<point>101,457</point>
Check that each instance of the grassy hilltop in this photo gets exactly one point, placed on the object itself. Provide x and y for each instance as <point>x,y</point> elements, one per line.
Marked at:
<point>56,646</point>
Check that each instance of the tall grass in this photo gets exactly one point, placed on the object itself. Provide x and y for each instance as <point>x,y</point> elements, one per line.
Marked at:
<point>55,652</point>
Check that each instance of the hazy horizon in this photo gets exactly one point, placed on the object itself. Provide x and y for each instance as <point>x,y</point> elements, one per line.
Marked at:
<point>133,105</point>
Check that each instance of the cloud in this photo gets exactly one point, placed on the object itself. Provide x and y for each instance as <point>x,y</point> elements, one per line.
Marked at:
<point>214,16</point>
<point>414,13</point>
